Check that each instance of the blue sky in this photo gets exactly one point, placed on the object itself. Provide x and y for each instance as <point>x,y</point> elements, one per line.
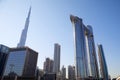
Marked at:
<point>50,23</point>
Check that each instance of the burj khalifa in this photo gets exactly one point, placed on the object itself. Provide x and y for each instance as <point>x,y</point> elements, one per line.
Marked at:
<point>24,31</point>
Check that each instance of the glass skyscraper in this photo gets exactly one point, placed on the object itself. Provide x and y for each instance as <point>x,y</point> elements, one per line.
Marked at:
<point>91,53</point>
<point>80,47</point>
<point>85,54</point>
<point>21,62</point>
<point>4,50</point>
<point>103,65</point>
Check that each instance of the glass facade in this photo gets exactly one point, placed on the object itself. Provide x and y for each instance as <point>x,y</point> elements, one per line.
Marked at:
<point>91,53</point>
<point>85,54</point>
<point>4,49</point>
<point>103,65</point>
<point>80,47</point>
<point>15,63</point>
<point>3,57</point>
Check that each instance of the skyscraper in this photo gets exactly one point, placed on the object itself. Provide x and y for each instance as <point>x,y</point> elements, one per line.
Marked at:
<point>24,31</point>
<point>56,66</point>
<point>91,53</point>
<point>63,73</point>
<point>48,66</point>
<point>80,48</point>
<point>71,72</point>
<point>85,54</point>
<point>4,50</point>
<point>22,62</point>
<point>51,65</point>
<point>103,65</point>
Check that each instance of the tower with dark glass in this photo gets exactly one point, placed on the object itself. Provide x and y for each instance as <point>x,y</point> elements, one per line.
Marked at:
<point>22,62</point>
<point>4,50</point>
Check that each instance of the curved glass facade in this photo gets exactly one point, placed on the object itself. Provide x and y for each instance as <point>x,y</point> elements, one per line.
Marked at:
<point>85,54</point>
<point>103,65</point>
<point>80,47</point>
<point>91,54</point>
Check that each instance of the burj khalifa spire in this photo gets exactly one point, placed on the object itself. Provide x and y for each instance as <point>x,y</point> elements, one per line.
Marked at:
<point>24,31</point>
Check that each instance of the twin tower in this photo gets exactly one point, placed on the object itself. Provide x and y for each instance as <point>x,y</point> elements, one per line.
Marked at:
<point>85,54</point>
